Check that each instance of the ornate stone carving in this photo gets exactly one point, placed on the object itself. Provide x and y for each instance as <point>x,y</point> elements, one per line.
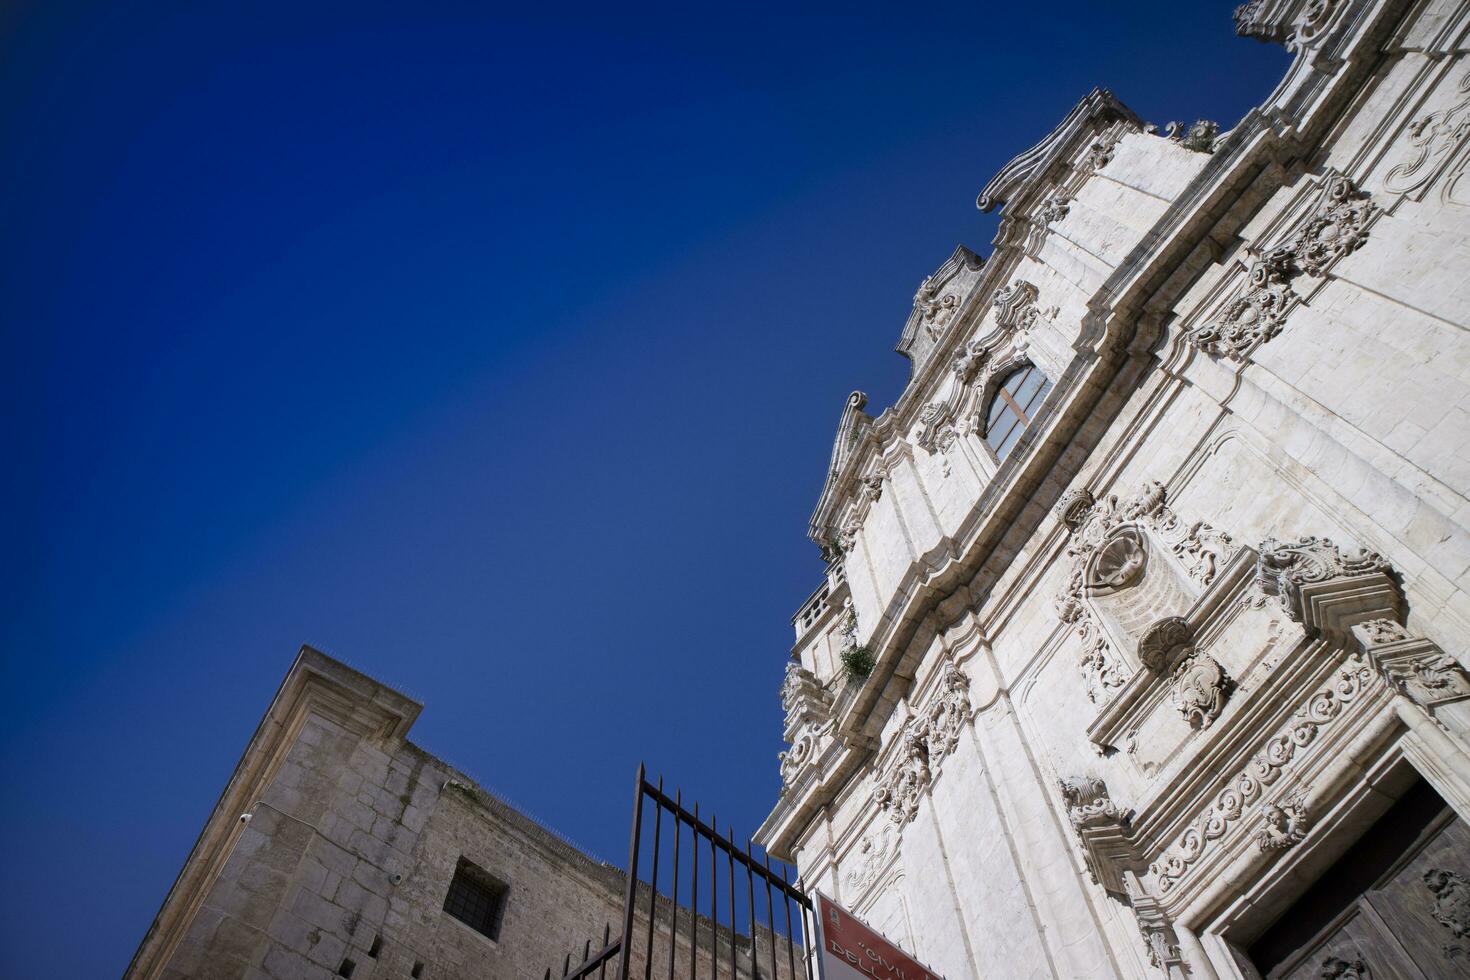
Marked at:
<point>873,488</point>
<point>1337,226</point>
<point>1450,906</point>
<point>1267,20</point>
<point>1100,152</point>
<point>1334,968</point>
<point>1073,508</point>
<point>1242,792</point>
<point>902,787</point>
<point>1165,642</point>
<point>803,750</point>
<point>801,691</point>
<point>869,858</point>
<point>937,309</point>
<point>1054,209</point>
<point>1199,137</point>
<point>1015,306</point>
<point>1284,568</point>
<point>948,712</point>
<point>1384,631</point>
<point>1088,802</point>
<point>1256,314</point>
<point>1285,825</point>
<point>1103,561</point>
<point>1433,139</point>
<point>1428,679</point>
<point>1201,688</point>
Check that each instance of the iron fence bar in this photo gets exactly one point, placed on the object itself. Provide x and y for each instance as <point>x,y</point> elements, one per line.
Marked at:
<point>770,913</point>
<point>730,855</point>
<point>674,909</point>
<point>701,827</point>
<point>694,896</point>
<point>658,818</point>
<point>606,938</point>
<point>597,960</point>
<point>632,892</point>
<point>790,947</point>
<point>750,908</point>
<point>714,904</point>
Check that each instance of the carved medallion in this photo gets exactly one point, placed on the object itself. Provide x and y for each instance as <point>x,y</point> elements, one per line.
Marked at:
<point>1201,689</point>
<point>1285,825</point>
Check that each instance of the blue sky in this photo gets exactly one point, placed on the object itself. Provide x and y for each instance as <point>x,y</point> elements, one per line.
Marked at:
<point>496,352</point>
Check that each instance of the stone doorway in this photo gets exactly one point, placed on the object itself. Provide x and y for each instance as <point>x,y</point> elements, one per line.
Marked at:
<point>1396,906</point>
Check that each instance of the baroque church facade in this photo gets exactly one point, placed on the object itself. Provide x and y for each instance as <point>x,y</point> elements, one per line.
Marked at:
<point>1141,650</point>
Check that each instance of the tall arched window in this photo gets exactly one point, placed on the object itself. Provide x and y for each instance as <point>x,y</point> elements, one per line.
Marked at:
<point>1013,407</point>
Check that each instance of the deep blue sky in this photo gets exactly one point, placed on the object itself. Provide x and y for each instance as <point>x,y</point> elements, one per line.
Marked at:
<point>498,354</point>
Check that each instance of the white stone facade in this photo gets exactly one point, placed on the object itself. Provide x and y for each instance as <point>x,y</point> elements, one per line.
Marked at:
<point>1135,687</point>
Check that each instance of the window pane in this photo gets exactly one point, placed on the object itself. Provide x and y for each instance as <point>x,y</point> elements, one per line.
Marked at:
<point>1031,380</point>
<point>1029,405</point>
<point>1014,379</point>
<point>1005,422</point>
<point>1005,447</point>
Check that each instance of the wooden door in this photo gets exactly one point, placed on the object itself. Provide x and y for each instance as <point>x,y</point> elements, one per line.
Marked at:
<point>1395,907</point>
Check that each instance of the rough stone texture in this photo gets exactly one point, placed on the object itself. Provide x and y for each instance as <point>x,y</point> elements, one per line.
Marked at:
<point>1257,342</point>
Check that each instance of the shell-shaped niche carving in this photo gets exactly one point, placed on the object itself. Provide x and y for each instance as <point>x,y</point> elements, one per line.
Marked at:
<point>1132,585</point>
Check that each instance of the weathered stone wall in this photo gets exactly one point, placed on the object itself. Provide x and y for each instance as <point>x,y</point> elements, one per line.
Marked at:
<point>352,840</point>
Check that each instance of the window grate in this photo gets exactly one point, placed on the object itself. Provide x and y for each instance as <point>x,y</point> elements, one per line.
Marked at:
<point>476,899</point>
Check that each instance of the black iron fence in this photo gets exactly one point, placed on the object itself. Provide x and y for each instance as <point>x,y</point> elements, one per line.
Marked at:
<point>698,906</point>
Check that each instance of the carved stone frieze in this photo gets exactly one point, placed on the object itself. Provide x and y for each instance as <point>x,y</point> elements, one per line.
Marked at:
<point>804,749</point>
<point>1244,790</point>
<point>1088,802</point>
<point>937,308</point>
<point>1285,825</point>
<point>1282,22</point>
<point>1200,689</point>
<point>1433,139</point>
<point>1284,569</point>
<point>1072,509</point>
<point>1100,152</point>
<point>902,787</point>
<point>1427,679</point>
<point>1384,630</point>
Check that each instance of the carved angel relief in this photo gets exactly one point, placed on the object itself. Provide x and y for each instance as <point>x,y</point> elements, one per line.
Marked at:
<point>1336,225</point>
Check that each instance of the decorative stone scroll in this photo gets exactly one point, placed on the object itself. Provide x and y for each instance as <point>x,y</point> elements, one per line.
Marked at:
<point>1279,21</point>
<point>1200,689</point>
<point>1102,826</point>
<point>1289,569</point>
<point>1433,140</point>
<point>902,787</point>
<point>1415,667</point>
<point>808,706</point>
<point>1335,225</point>
<point>1243,793</point>
<point>869,858</point>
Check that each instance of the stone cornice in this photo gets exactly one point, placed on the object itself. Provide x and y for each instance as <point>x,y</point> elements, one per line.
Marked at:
<point>1120,328</point>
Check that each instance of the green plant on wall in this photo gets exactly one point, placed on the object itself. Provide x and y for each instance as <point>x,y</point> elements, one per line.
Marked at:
<point>857,662</point>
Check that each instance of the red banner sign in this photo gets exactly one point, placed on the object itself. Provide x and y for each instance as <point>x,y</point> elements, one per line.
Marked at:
<point>852,951</point>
